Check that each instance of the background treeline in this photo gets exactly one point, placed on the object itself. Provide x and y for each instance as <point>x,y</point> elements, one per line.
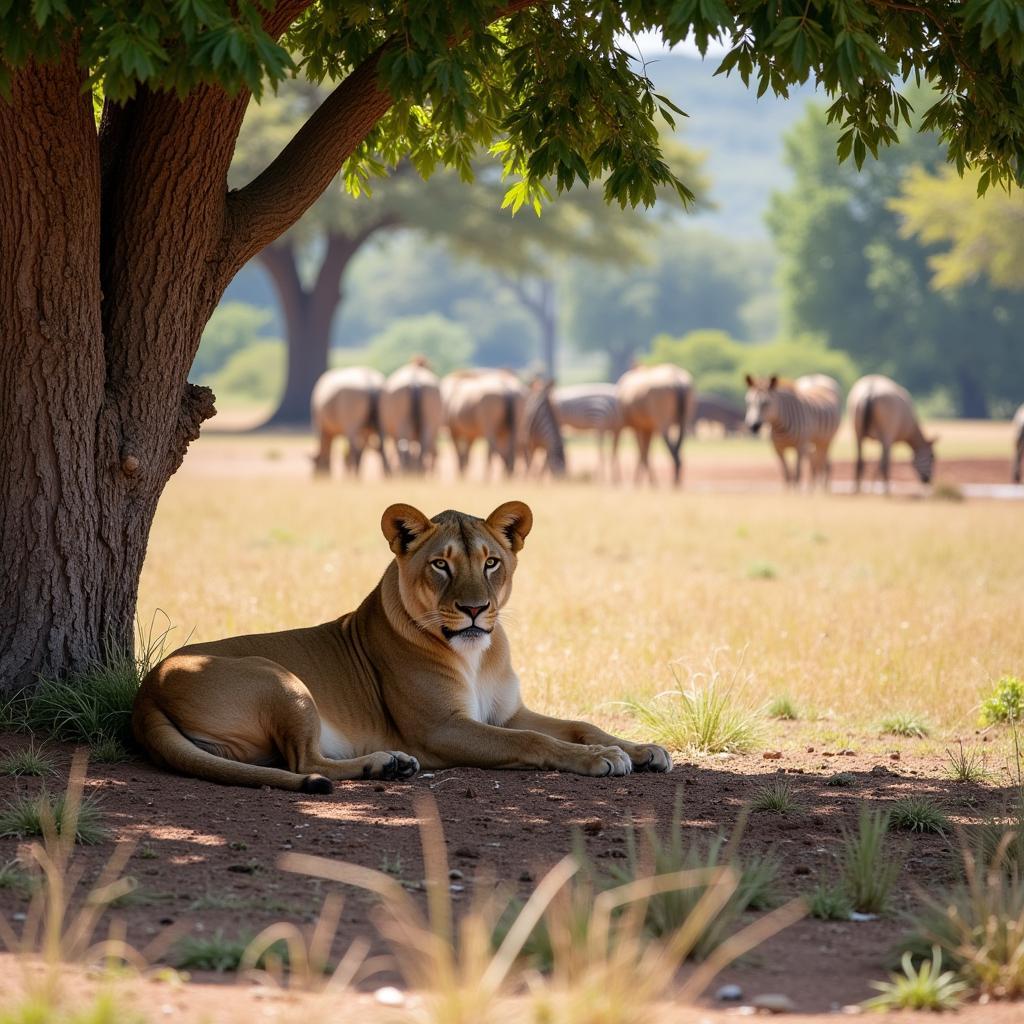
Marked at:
<point>788,263</point>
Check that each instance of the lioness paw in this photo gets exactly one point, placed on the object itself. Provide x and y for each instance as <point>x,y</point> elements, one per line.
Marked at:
<point>391,764</point>
<point>649,757</point>
<point>608,761</point>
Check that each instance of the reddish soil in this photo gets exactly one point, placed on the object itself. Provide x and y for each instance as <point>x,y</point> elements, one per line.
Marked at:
<point>199,843</point>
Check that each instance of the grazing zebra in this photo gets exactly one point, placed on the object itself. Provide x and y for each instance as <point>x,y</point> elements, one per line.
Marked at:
<point>803,414</point>
<point>881,409</point>
<point>657,400</point>
<point>592,407</point>
<point>542,428</point>
<point>346,403</point>
<point>1018,438</point>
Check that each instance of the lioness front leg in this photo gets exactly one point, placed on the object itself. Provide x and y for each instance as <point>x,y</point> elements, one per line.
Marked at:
<point>464,742</point>
<point>646,757</point>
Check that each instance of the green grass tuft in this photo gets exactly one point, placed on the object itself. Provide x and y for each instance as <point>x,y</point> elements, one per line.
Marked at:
<point>784,708</point>
<point>25,816</point>
<point>905,723</point>
<point>709,717</point>
<point>918,814</point>
<point>762,571</point>
<point>829,903</point>
<point>774,796</point>
<point>220,953</point>
<point>14,878</point>
<point>30,761</point>
<point>966,765</point>
<point>109,751</point>
<point>95,706</point>
<point>926,987</point>
<point>841,779</point>
<point>1005,703</point>
<point>868,871</point>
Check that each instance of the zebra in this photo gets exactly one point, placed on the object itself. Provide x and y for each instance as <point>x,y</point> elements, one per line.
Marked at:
<point>657,400</point>
<point>803,414</point>
<point>592,407</point>
<point>1018,438</point>
<point>881,409</point>
<point>542,429</point>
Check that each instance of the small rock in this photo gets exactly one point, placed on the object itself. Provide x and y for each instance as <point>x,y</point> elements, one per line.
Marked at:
<point>455,887</point>
<point>525,876</point>
<point>810,750</point>
<point>773,1002</point>
<point>894,756</point>
<point>379,788</point>
<point>848,753</point>
<point>772,755</point>
<point>801,869</point>
<point>467,853</point>
<point>456,875</point>
<point>593,827</point>
<point>555,797</point>
<point>856,915</point>
<point>729,994</point>
<point>880,769</point>
<point>19,916</point>
<point>470,793</point>
<point>389,996</point>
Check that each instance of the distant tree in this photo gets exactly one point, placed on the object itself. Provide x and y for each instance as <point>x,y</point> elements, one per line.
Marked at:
<point>850,274</point>
<point>691,280</point>
<point>118,239</point>
<point>978,236</point>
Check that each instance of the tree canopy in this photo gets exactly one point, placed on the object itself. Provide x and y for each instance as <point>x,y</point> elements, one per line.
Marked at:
<point>975,236</point>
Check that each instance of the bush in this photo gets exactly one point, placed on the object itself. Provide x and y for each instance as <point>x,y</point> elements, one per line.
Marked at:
<point>233,327</point>
<point>447,345</point>
<point>718,362</point>
<point>255,373</point>
<point>1005,703</point>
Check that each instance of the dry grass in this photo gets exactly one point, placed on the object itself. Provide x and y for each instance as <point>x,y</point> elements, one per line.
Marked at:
<point>915,601</point>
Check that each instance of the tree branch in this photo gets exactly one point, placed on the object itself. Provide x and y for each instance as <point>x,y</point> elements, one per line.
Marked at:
<point>274,200</point>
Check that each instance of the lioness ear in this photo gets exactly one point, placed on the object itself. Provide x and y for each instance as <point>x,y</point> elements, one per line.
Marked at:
<point>403,525</point>
<point>512,521</point>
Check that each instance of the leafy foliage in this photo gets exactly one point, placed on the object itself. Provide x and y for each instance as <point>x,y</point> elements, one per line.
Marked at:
<point>1005,703</point>
<point>850,274</point>
<point>553,82</point>
<point>446,345</point>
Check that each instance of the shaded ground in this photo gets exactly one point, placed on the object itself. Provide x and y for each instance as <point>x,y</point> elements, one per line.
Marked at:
<point>206,855</point>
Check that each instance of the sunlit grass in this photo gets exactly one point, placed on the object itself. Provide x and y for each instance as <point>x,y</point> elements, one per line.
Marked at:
<point>912,601</point>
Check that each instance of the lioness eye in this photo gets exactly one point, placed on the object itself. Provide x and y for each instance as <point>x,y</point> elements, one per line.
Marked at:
<point>440,563</point>
<point>491,563</point>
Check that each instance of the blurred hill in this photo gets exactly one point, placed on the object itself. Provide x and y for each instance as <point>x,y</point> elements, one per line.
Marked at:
<point>740,135</point>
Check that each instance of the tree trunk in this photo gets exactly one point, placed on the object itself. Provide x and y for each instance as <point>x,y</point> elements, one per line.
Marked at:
<point>548,317</point>
<point>90,428</point>
<point>971,398</point>
<point>308,316</point>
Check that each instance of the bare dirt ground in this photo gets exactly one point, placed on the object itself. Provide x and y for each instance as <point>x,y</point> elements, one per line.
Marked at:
<point>206,856</point>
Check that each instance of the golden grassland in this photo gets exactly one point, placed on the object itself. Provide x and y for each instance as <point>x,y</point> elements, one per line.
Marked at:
<point>853,607</point>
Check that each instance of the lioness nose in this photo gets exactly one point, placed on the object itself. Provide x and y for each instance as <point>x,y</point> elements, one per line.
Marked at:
<point>473,610</point>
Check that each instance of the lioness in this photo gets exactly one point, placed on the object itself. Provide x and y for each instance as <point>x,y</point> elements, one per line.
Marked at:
<point>419,674</point>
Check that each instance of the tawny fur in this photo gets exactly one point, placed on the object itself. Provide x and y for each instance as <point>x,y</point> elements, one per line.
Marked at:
<point>411,415</point>
<point>487,404</point>
<point>657,400</point>
<point>420,674</point>
<point>345,403</point>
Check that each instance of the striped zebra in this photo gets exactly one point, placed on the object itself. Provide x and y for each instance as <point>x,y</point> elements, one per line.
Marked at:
<point>880,409</point>
<point>542,429</point>
<point>1018,440</point>
<point>803,414</point>
<point>592,407</point>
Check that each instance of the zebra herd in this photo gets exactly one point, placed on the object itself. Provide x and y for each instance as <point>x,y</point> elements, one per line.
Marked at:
<point>401,418</point>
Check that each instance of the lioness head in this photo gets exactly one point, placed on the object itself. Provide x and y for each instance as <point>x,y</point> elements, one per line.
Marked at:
<point>455,571</point>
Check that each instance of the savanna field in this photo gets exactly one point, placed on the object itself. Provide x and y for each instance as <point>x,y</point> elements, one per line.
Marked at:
<point>848,643</point>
